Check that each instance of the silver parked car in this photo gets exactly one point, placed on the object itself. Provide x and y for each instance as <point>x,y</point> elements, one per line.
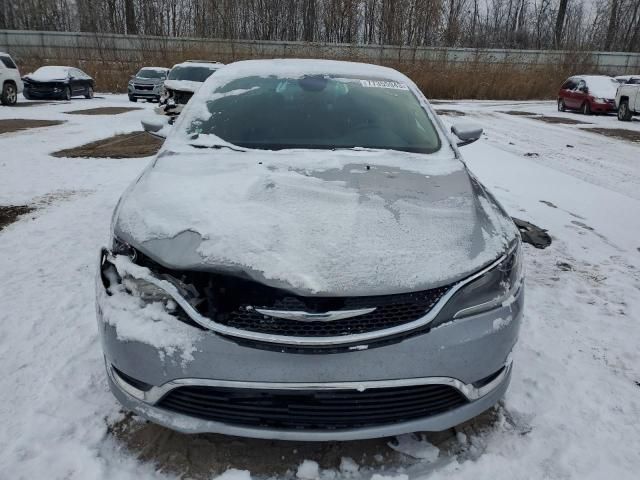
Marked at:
<point>308,258</point>
<point>147,84</point>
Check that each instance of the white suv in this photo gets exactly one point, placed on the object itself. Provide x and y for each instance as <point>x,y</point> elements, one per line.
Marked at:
<point>10,80</point>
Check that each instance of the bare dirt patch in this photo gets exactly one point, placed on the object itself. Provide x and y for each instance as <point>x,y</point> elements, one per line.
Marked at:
<point>17,124</point>
<point>532,234</point>
<point>203,456</point>
<point>130,145</point>
<point>620,133</point>
<point>520,113</point>
<point>452,113</point>
<point>560,120</point>
<point>11,213</point>
<point>103,111</point>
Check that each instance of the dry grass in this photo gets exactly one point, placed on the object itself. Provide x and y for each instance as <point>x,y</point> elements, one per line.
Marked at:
<point>477,79</point>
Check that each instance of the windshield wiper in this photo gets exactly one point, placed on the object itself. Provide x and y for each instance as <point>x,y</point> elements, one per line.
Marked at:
<point>216,146</point>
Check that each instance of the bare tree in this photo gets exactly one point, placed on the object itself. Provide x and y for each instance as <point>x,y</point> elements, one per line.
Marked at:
<point>562,11</point>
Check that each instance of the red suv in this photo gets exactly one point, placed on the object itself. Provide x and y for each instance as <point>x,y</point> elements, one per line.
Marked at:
<point>588,94</point>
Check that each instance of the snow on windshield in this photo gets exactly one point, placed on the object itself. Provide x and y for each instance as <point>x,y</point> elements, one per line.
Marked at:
<point>152,72</point>
<point>48,74</point>
<point>601,86</point>
<point>281,108</point>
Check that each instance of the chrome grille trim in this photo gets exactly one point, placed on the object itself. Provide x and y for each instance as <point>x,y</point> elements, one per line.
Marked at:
<point>154,394</point>
<point>360,338</point>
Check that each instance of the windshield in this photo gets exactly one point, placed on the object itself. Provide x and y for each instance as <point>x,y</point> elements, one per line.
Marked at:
<point>318,112</point>
<point>150,73</point>
<point>194,74</point>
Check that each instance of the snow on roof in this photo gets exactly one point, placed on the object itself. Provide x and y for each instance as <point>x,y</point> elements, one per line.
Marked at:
<point>189,63</point>
<point>160,69</point>
<point>293,68</point>
<point>49,73</point>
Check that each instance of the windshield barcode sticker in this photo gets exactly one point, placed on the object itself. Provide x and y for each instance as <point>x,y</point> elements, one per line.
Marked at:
<point>383,84</point>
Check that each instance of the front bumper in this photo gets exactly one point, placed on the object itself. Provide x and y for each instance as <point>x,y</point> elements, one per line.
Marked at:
<point>459,353</point>
<point>153,93</point>
<point>608,107</point>
<point>45,93</point>
<point>143,404</point>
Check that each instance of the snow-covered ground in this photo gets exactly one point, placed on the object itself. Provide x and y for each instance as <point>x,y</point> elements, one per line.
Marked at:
<point>573,409</point>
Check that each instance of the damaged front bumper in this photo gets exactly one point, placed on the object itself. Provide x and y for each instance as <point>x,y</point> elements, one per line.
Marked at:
<point>176,379</point>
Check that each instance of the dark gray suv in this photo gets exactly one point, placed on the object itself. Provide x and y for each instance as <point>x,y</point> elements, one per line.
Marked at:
<point>308,257</point>
<point>147,84</point>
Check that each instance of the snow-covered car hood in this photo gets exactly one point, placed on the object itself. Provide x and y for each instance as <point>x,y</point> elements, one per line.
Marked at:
<point>183,85</point>
<point>316,222</point>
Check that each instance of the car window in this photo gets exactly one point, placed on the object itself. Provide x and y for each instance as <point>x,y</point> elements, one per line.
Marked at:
<point>581,85</point>
<point>569,85</point>
<point>7,61</point>
<point>151,73</point>
<point>318,112</point>
<point>634,81</point>
<point>194,74</point>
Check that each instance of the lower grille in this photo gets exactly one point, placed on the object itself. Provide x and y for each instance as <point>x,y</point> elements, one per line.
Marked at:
<point>143,87</point>
<point>312,409</point>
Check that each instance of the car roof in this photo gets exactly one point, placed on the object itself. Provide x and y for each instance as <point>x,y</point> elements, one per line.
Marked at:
<point>154,68</point>
<point>298,67</point>
<point>195,63</point>
<point>591,77</point>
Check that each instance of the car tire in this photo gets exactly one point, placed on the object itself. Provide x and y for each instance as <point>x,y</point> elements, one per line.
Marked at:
<point>9,94</point>
<point>67,93</point>
<point>624,112</point>
<point>561,106</point>
<point>586,108</point>
<point>132,99</point>
<point>89,93</point>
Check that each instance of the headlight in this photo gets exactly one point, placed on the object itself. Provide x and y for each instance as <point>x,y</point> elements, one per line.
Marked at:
<point>144,288</point>
<point>146,291</point>
<point>496,287</point>
<point>599,100</point>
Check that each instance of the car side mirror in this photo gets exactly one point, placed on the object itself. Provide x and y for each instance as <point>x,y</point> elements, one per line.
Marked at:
<point>155,125</point>
<point>467,132</point>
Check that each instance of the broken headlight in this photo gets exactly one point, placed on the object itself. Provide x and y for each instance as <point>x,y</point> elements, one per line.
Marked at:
<point>497,287</point>
<point>146,291</point>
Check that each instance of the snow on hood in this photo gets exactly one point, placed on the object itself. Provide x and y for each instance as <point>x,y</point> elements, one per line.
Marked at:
<point>316,222</point>
<point>183,85</point>
<point>50,74</point>
<point>601,86</point>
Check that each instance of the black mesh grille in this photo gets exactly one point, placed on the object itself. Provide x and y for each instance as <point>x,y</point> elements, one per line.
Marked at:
<point>312,409</point>
<point>391,311</point>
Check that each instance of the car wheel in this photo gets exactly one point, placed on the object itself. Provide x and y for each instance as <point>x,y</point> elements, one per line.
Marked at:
<point>132,99</point>
<point>561,105</point>
<point>67,93</point>
<point>586,108</point>
<point>89,93</point>
<point>624,112</point>
<point>9,94</point>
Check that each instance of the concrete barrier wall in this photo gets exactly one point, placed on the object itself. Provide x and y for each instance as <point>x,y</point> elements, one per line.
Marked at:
<point>135,49</point>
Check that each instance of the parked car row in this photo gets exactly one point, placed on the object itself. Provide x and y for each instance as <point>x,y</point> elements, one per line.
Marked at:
<point>50,82</point>
<point>590,94</point>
